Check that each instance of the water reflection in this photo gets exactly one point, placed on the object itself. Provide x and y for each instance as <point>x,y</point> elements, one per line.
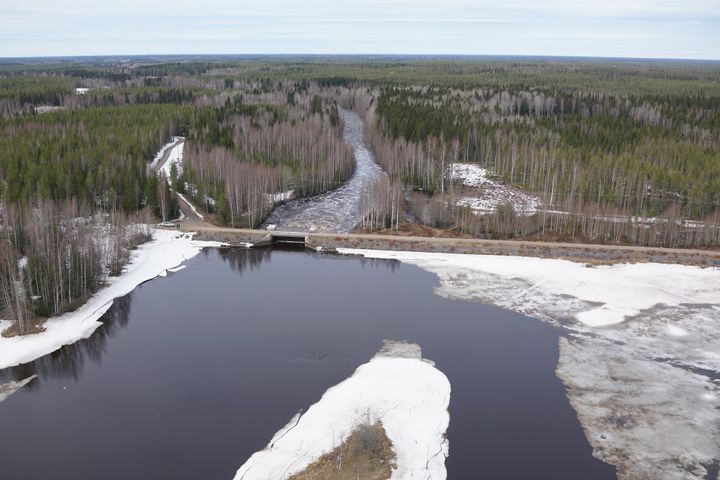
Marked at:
<point>244,260</point>
<point>250,260</point>
<point>392,265</point>
<point>68,362</point>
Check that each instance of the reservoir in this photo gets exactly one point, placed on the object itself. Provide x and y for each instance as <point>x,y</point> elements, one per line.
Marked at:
<point>193,373</point>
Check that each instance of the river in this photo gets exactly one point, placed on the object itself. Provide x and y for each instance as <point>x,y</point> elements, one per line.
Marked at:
<point>337,210</point>
<point>192,373</point>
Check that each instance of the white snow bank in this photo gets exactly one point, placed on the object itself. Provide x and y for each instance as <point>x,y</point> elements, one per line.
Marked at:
<point>491,193</point>
<point>397,387</point>
<point>610,294</point>
<point>168,249</point>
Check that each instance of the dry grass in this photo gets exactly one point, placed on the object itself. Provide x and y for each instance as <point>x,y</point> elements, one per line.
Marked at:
<point>366,454</point>
<point>35,327</point>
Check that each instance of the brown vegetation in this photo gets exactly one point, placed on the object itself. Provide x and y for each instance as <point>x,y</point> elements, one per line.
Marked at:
<point>366,454</point>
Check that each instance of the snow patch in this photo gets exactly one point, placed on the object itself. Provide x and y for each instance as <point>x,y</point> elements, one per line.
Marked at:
<point>159,155</point>
<point>676,331</point>
<point>189,204</point>
<point>166,250</point>
<point>639,354</point>
<point>491,193</point>
<point>397,387</point>
<point>174,158</point>
<point>471,174</point>
<point>610,294</point>
<point>279,197</point>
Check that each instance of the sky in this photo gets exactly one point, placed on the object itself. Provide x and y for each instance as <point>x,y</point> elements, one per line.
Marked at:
<point>596,28</point>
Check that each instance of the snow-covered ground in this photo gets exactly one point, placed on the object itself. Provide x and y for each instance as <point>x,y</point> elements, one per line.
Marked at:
<point>639,355</point>
<point>397,387</point>
<point>491,193</point>
<point>159,155</point>
<point>279,197</point>
<point>168,249</point>
<point>174,158</point>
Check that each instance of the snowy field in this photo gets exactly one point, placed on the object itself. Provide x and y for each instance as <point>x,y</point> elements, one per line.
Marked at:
<point>639,354</point>
<point>491,193</point>
<point>167,250</point>
<point>397,387</point>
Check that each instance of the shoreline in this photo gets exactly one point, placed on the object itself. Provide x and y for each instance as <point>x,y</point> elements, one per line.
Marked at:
<point>577,252</point>
<point>638,353</point>
<point>165,252</point>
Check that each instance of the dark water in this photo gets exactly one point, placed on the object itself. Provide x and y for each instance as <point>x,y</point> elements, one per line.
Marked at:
<point>194,372</point>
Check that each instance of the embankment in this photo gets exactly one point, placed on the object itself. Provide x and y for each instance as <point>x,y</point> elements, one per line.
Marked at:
<point>588,253</point>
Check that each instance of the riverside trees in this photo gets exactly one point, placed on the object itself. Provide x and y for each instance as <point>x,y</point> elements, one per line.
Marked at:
<point>242,154</point>
<point>602,160</point>
<point>54,256</point>
<point>70,178</point>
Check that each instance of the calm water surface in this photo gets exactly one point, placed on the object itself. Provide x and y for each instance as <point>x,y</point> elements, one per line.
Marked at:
<point>193,373</point>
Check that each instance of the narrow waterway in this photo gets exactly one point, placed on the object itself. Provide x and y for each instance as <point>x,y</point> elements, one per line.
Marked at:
<point>337,210</point>
<point>192,373</point>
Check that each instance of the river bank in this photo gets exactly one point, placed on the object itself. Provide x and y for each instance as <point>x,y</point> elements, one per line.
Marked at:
<point>167,250</point>
<point>584,253</point>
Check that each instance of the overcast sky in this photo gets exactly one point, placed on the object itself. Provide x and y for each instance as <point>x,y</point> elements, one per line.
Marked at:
<point>618,28</point>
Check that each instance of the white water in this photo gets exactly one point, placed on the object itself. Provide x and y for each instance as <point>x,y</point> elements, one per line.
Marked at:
<point>337,210</point>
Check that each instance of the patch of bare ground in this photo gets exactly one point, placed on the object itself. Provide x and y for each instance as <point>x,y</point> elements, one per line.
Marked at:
<point>367,454</point>
<point>36,326</point>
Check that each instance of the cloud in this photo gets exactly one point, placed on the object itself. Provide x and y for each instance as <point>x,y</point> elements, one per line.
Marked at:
<point>639,28</point>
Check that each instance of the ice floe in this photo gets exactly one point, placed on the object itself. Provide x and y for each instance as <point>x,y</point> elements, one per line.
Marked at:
<point>7,389</point>
<point>397,387</point>
<point>608,294</point>
<point>639,352</point>
<point>167,249</point>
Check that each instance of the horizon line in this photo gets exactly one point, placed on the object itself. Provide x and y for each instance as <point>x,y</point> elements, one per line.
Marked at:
<point>305,54</point>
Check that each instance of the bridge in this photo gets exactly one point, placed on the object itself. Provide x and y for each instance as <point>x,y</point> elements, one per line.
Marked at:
<point>283,237</point>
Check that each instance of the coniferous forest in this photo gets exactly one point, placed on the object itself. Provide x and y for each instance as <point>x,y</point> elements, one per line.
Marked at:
<point>616,151</point>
